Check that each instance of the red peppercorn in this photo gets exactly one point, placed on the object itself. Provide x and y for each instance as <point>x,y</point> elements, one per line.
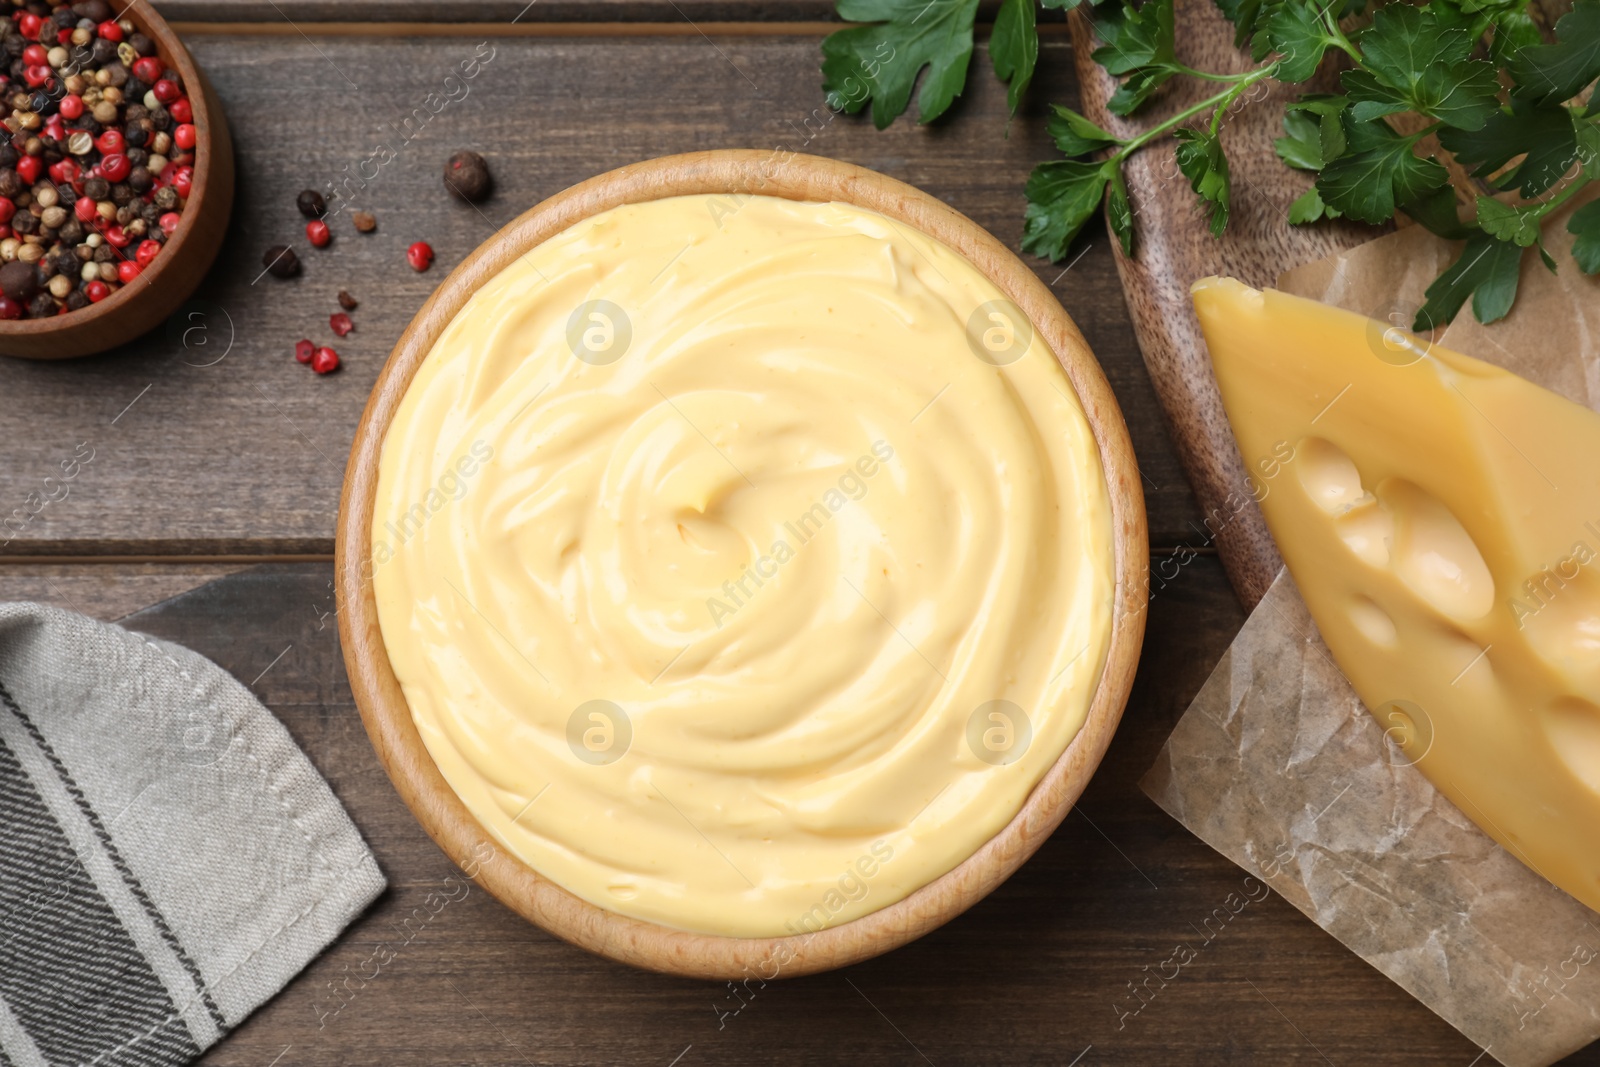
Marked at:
<point>341,324</point>
<point>303,351</point>
<point>85,209</point>
<point>71,106</point>
<point>420,256</point>
<point>63,37</point>
<point>96,291</point>
<point>109,30</point>
<point>5,231</point>
<point>147,69</point>
<point>36,76</point>
<point>7,209</point>
<point>182,180</point>
<point>117,237</point>
<point>9,308</point>
<point>183,136</point>
<point>166,90</point>
<point>64,172</point>
<point>325,360</point>
<point>168,222</point>
<point>110,141</point>
<point>28,168</point>
<point>35,55</point>
<point>181,110</point>
<point>317,232</point>
<point>115,167</point>
<point>127,271</point>
<point>147,251</point>
<point>29,24</point>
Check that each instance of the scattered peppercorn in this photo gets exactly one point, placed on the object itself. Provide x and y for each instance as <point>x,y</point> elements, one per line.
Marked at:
<point>303,351</point>
<point>420,256</point>
<point>325,360</point>
<point>311,204</point>
<point>318,234</point>
<point>280,261</point>
<point>466,174</point>
<point>97,155</point>
<point>364,220</point>
<point>347,301</point>
<point>340,323</point>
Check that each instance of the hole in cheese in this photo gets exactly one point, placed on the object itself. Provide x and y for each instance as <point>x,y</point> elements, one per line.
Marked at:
<point>1373,622</point>
<point>1434,554</point>
<point>1573,727</point>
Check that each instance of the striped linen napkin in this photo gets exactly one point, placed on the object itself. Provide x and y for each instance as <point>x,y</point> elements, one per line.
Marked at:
<point>169,859</point>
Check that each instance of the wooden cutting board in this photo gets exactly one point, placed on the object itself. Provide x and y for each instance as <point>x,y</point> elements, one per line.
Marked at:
<point>1174,247</point>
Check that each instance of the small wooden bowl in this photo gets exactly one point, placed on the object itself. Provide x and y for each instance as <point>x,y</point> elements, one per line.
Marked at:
<point>172,276</point>
<point>388,719</point>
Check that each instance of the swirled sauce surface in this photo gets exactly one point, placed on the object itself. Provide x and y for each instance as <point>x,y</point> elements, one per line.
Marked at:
<point>745,563</point>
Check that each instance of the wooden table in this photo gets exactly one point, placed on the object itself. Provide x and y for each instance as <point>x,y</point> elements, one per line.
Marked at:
<point>218,459</point>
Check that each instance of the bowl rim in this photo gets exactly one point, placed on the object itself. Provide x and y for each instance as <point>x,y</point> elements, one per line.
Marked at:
<point>172,50</point>
<point>388,719</point>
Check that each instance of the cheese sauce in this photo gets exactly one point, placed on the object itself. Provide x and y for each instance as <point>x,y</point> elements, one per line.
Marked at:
<point>745,563</point>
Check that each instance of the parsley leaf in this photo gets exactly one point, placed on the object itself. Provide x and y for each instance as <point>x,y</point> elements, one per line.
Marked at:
<point>1014,48</point>
<point>1519,225</point>
<point>1552,73</point>
<point>1075,135</point>
<point>1119,213</point>
<point>1200,159</point>
<point>1436,212</point>
<point>1295,30</point>
<point>1245,16</point>
<point>881,61</point>
<point>1487,270</point>
<point>1063,196</point>
<point>1543,133</point>
<point>1585,225</point>
<point>1378,171</point>
<point>1139,44</point>
<point>1411,61</point>
<point>1302,149</point>
<point>1308,207</point>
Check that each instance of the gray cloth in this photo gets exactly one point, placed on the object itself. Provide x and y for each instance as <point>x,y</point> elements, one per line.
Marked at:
<point>169,859</point>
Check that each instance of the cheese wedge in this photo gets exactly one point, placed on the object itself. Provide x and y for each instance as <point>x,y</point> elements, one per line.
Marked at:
<point>1441,517</point>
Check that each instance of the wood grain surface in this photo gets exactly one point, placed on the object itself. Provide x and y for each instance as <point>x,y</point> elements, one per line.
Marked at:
<point>208,437</point>
<point>1174,248</point>
<point>1038,972</point>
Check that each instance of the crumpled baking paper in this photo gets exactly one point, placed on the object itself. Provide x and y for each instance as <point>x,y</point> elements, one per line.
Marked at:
<point>1279,766</point>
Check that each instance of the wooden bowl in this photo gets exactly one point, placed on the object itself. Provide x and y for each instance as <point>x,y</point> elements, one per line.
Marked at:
<point>146,302</point>
<point>388,719</point>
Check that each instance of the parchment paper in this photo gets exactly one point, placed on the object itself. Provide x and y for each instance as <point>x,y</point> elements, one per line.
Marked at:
<point>1278,765</point>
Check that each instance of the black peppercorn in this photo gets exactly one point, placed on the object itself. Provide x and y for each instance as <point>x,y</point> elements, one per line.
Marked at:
<point>121,193</point>
<point>466,174</point>
<point>66,195</point>
<point>166,198</point>
<point>104,254</point>
<point>347,301</point>
<point>134,89</point>
<point>24,223</point>
<point>141,179</point>
<point>280,261</point>
<point>142,44</point>
<point>8,154</point>
<point>161,118</point>
<point>65,19</point>
<point>96,188</point>
<point>19,280</point>
<point>10,184</point>
<point>72,232</point>
<point>103,51</point>
<point>135,136</point>
<point>76,300</point>
<point>311,204</point>
<point>42,306</point>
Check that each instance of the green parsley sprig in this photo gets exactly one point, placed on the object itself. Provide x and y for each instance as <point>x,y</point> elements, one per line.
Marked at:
<point>1522,115</point>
